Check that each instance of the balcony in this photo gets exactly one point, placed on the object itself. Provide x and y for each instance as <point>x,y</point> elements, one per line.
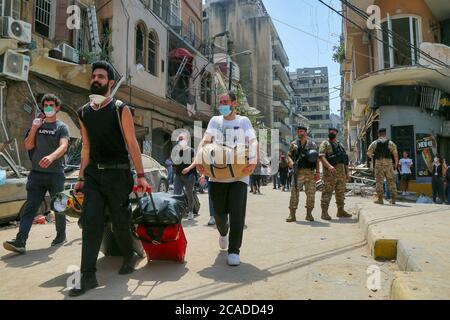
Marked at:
<point>413,75</point>
<point>436,50</point>
<point>280,71</point>
<point>280,52</point>
<point>285,130</point>
<point>280,91</point>
<point>280,106</point>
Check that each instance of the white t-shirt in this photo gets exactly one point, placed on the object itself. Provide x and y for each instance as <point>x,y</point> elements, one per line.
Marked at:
<point>232,133</point>
<point>405,166</point>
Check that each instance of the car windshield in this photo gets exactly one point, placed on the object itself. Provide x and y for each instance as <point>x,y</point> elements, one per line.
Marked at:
<point>5,166</point>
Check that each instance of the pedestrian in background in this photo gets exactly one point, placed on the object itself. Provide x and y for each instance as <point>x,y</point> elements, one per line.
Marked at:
<point>405,165</point>
<point>256,178</point>
<point>284,170</point>
<point>169,166</point>
<point>184,166</point>
<point>437,183</point>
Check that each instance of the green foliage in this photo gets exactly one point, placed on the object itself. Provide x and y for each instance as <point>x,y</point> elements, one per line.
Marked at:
<point>339,53</point>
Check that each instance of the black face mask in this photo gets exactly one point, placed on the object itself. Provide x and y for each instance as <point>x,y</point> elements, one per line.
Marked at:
<point>332,136</point>
<point>97,88</point>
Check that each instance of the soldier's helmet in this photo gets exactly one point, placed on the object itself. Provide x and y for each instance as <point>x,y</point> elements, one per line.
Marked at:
<point>312,156</point>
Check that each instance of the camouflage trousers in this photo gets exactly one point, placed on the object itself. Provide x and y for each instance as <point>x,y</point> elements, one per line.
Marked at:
<point>334,183</point>
<point>384,168</point>
<point>305,179</point>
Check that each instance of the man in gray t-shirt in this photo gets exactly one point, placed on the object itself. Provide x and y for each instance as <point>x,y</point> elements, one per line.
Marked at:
<point>47,142</point>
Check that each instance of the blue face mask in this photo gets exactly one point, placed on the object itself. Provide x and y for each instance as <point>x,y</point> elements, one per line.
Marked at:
<point>225,110</point>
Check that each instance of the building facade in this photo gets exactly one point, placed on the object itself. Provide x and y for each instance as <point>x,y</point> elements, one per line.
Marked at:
<point>251,29</point>
<point>156,46</point>
<point>311,87</point>
<point>396,76</point>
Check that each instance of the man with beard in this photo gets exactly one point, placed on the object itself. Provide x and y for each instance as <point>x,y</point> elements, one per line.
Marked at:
<point>108,134</point>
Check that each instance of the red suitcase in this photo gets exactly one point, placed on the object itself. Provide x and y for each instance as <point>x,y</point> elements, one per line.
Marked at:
<point>163,242</point>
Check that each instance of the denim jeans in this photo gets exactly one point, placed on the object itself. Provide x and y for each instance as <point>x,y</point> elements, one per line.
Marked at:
<point>37,186</point>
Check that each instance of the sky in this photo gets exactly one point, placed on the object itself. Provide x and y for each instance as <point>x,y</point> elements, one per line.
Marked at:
<point>305,50</point>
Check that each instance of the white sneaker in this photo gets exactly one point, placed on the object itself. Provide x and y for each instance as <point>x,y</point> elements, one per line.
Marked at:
<point>223,242</point>
<point>234,260</point>
<point>191,216</point>
<point>212,221</point>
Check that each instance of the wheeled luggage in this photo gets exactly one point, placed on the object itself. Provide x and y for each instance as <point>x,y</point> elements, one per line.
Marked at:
<point>163,242</point>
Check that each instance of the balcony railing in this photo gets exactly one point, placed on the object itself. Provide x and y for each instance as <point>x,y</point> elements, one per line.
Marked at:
<point>162,10</point>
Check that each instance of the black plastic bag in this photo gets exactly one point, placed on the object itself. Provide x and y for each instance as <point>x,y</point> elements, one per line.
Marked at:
<point>159,209</point>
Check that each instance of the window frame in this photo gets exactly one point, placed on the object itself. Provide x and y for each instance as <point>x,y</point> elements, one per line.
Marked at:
<point>52,19</point>
<point>144,44</point>
<point>381,44</point>
<point>156,52</point>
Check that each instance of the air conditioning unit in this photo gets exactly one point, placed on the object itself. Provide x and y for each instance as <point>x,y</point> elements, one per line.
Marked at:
<point>14,65</point>
<point>69,53</point>
<point>15,29</point>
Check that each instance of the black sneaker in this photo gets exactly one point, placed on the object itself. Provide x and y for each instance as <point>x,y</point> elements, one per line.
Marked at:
<point>15,246</point>
<point>86,285</point>
<point>59,241</point>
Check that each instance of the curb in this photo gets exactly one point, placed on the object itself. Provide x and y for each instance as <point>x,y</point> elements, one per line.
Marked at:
<point>411,283</point>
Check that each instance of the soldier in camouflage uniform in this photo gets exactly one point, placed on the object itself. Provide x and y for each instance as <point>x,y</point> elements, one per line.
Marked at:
<point>335,174</point>
<point>306,173</point>
<point>383,150</point>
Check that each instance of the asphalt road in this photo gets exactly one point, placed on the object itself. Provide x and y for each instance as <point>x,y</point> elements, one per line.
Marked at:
<point>303,260</point>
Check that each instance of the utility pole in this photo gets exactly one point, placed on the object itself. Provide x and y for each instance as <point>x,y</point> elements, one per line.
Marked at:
<point>230,52</point>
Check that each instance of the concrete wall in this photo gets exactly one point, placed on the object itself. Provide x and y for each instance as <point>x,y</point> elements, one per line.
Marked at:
<point>403,116</point>
<point>193,9</point>
<point>126,48</point>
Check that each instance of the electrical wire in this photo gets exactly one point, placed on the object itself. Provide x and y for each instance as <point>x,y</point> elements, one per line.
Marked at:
<point>388,44</point>
<point>405,42</point>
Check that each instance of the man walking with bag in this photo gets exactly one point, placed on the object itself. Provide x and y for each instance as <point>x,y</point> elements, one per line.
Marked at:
<point>108,134</point>
<point>229,196</point>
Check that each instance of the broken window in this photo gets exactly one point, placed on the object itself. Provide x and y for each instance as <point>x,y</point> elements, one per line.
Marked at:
<point>140,45</point>
<point>152,53</point>
<point>401,40</point>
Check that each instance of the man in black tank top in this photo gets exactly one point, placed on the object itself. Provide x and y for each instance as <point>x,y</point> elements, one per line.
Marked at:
<point>105,175</point>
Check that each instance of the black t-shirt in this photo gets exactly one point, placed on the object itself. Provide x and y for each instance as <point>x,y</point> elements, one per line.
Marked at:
<point>180,164</point>
<point>107,145</point>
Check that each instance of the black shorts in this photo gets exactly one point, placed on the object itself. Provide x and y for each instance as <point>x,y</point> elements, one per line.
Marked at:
<point>406,176</point>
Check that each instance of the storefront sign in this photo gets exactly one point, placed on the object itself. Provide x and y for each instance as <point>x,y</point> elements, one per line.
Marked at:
<point>426,147</point>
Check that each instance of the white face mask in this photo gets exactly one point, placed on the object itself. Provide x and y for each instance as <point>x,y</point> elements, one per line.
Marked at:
<point>183,143</point>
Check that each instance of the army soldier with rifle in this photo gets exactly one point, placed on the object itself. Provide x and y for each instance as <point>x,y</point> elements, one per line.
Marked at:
<point>335,174</point>
<point>303,158</point>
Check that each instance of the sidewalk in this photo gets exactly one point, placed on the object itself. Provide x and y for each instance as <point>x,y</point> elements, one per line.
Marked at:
<point>417,236</point>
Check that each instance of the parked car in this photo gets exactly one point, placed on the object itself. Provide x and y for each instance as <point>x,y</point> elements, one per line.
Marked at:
<point>155,173</point>
<point>13,193</point>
